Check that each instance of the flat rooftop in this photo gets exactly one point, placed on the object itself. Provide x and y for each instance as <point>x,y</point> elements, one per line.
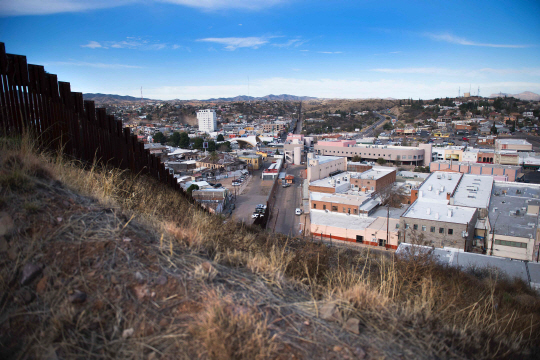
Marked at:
<point>498,166</point>
<point>427,210</point>
<point>356,200</point>
<point>436,186</point>
<point>343,178</point>
<point>325,159</point>
<point>474,191</point>
<point>508,209</point>
<point>374,173</point>
<point>513,141</point>
<point>322,219</point>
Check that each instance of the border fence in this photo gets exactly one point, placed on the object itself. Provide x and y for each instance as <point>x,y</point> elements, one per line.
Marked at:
<point>32,100</point>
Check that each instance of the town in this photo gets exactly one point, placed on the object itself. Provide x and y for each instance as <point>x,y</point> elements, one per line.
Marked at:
<point>457,174</point>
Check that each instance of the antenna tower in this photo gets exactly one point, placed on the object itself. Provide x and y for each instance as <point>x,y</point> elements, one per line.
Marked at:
<point>142,102</point>
<point>459,92</point>
<point>478,92</point>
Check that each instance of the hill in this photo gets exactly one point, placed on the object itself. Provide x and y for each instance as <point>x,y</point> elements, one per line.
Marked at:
<point>526,95</point>
<point>100,263</point>
<point>110,98</point>
<point>282,97</point>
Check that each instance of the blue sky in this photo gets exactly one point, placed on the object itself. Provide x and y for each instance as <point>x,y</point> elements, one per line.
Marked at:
<point>198,49</point>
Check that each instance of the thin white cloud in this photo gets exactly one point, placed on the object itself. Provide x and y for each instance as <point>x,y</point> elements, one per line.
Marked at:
<point>330,52</point>
<point>458,72</point>
<point>226,4</point>
<point>395,52</point>
<point>92,45</point>
<point>292,42</point>
<point>233,43</point>
<point>134,43</point>
<point>446,37</point>
<point>94,65</point>
<point>44,7</point>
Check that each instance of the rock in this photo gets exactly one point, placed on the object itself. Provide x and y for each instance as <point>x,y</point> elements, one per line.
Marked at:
<point>140,291</point>
<point>338,348</point>
<point>59,219</point>
<point>161,280</point>
<point>163,323</point>
<point>114,279</point>
<point>6,223</point>
<point>360,353</point>
<point>78,297</point>
<point>306,323</point>
<point>42,285</point>
<point>29,273</point>
<point>26,296</point>
<point>352,325</point>
<point>139,277</point>
<point>127,333</point>
<point>330,311</point>
<point>3,244</point>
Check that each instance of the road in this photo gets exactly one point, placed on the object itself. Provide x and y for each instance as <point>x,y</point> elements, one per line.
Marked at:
<point>370,130</point>
<point>255,193</point>
<point>283,218</point>
<point>298,129</point>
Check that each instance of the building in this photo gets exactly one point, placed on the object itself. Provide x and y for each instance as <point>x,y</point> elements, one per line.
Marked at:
<point>320,167</point>
<point>374,179</point>
<point>253,161</point>
<point>207,120</point>
<point>395,154</point>
<point>500,172</point>
<point>513,144</point>
<point>506,157</point>
<point>513,221</point>
<point>222,162</point>
<point>432,220</point>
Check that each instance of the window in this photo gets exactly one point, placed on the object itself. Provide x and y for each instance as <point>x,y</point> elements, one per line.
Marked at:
<point>406,226</point>
<point>415,227</point>
<point>314,206</point>
<point>349,210</point>
<point>355,211</point>
<point>334,208</point>
<point>432,229</point>
<point>344,210</point>
<point>511,243</point>
<point>441,230</point>
<point>359,238</point>
<point>424,228</point>
<point>450,231</point>
<point>324,207</point>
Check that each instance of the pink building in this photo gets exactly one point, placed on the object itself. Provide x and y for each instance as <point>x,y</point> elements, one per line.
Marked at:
<point>337,143</point>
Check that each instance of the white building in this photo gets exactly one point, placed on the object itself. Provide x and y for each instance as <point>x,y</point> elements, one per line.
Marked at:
<point>207,120</point>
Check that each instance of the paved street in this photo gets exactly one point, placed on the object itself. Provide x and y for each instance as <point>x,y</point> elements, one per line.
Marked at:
<point>255,193</point>
<point>283,218</point>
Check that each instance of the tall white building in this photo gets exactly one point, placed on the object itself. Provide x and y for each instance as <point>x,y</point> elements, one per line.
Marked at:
<point>207,120</point>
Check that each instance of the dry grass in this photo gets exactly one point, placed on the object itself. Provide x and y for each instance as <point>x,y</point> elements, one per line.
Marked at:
<point>231,291</point>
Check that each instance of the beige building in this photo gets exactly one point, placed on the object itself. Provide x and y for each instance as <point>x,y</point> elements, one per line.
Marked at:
<point>513,144</point>
<point>254,161</point>
<point>320,167</point>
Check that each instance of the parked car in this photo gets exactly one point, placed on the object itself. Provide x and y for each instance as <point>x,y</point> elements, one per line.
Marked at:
<point>298,211</point>
<point>286,185</point>
<point>261,206</point>
<point>255,215</point>
<point>235,184</point>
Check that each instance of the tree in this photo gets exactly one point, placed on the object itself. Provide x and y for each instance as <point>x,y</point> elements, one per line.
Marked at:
<point>387,126</point>
<point>226,146</point>
<point>356,158</point>
<point>148,117</point>
<point>184,140</point>
<point>381,161</point>
<point>220,138</point>
<point>198,143</point>
<point>174,139</point>
<point>277,152</point>
<point>191,188</point>
<point>159,138</point>
<point>494,129</point>
<point>211,145</point>
<point>214,156</point>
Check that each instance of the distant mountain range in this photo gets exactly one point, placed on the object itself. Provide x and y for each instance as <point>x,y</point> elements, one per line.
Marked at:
<point>526,95</point>
<point>282,97</point>
<point>102,98</point>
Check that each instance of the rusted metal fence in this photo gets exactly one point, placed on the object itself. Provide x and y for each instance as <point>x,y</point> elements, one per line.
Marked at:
<point>35,101</point>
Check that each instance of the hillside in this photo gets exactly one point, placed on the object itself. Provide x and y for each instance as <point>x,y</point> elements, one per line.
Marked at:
<point>98,263</point>
<point>282,97</point>
<point>110,98</point>
<point>526,95</point>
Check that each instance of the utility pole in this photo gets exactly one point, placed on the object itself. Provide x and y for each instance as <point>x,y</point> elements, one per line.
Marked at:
<point>387,224</point>
<point>493,234</point>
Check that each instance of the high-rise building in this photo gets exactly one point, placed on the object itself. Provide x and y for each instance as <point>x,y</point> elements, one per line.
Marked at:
<point>207,120</point>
